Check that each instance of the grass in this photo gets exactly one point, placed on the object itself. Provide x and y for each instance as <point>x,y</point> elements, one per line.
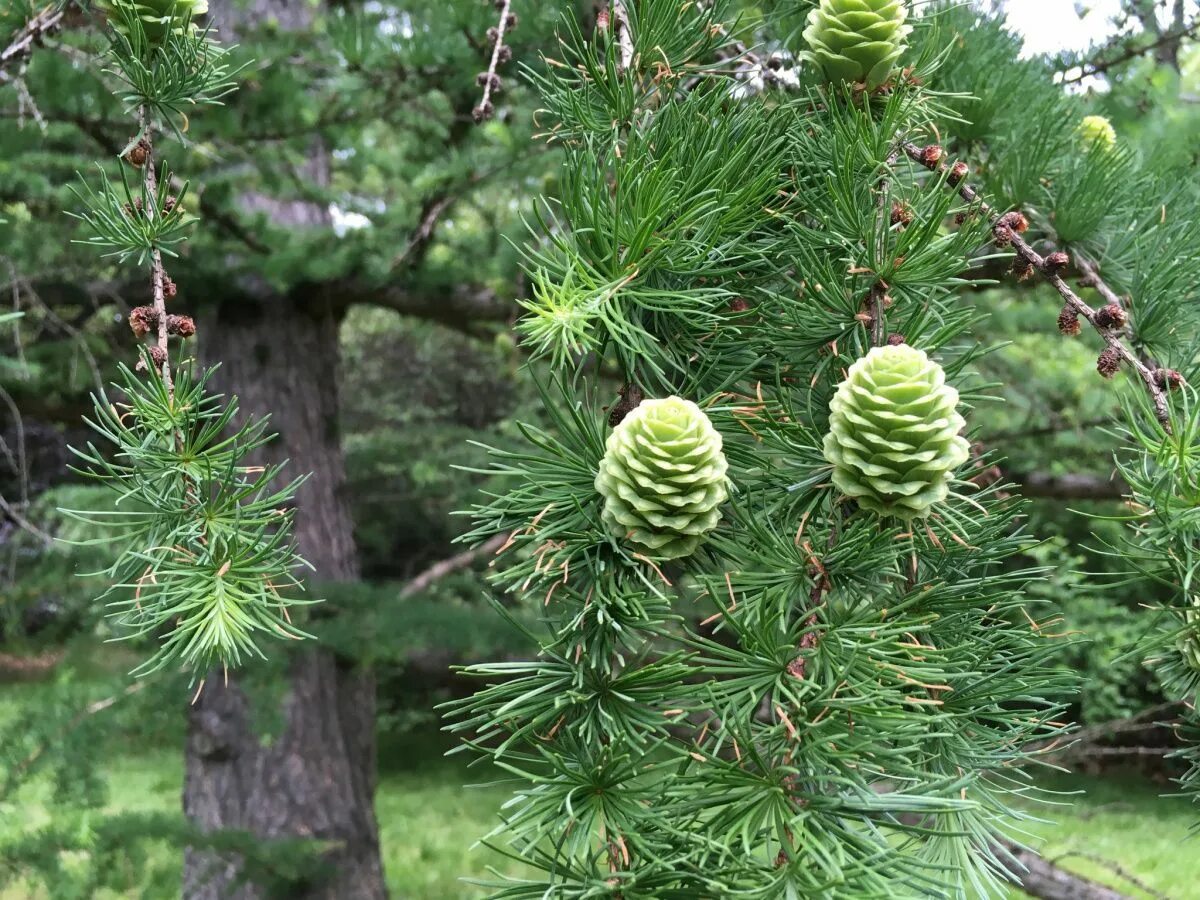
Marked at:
<point>1121,820</point>
<point>429,823</point>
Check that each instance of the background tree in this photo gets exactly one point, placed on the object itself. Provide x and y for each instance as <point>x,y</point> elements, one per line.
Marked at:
<point>380,124</point>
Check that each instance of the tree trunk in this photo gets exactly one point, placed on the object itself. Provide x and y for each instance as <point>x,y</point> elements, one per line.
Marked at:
<point>316,778</point>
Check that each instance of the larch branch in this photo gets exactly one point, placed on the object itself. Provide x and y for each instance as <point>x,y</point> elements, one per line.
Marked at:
<point>1004,233</point>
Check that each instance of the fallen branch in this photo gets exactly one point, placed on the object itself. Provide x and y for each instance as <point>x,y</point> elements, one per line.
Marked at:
<point>1040,877</point>
<point>1119,871</point>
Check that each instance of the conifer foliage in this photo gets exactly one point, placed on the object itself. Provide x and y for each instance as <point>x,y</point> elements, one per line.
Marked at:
<point>204,563</point>
<point>838,690</point>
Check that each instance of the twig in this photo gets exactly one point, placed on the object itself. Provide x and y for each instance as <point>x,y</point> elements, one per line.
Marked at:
<point>931,158</point>
<point>1091,278</point>
<point>877,297</point>
<point>1088,69</point>
<point>45,22</point>
<point>21,522</point>
<point>454,563</point>
<point>26,103</point>
<point>876,301</point>
<point>489,79</point>
<point>157,273</point>
<point>433,209</point>
<point>620,16</point>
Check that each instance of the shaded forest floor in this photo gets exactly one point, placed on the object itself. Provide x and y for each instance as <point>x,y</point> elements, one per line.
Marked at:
<point>429,821</point>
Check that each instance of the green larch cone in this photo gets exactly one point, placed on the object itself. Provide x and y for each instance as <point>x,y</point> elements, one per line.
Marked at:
<point>663,478</point>
<point>1097,133</point>
<point>894,433</point>
<point>157,16</point>
<point>857,40</point>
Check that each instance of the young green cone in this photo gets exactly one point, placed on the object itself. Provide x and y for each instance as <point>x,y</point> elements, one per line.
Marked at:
<point>1097,133</point>
<point>857,40</point>
<point>663,478</point>
<point>894,433</point>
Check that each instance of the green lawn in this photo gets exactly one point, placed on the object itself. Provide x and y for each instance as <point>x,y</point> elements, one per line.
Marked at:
<point>429,822</point>
<point>1123,820</point>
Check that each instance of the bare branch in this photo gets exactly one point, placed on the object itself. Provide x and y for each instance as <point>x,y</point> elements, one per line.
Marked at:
<point>1099,67</point>
<point>45,22</point>
<point>500,53</point>
<point>157,273</point>
<point>441,569</point>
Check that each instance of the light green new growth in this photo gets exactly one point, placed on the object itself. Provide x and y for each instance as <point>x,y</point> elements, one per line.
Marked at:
<point>894,433</point>
<point>663,478</point>
<point>857,40</point>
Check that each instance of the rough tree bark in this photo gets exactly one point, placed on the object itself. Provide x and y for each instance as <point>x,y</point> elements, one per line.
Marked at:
<point>316,777</point>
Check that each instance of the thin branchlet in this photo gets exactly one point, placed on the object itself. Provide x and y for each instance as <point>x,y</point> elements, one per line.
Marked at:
<point>1006,233</point>
<point>45,23</point>
<point>157,272</point>
<point>489,79</point>
<point>205,560</point>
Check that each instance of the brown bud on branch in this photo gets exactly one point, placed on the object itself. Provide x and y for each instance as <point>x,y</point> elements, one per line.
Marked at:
<point>138,153</point>
<point>157,355</point>
<point>902,213</point>
<point>181,326</point>
<point>1168,379</point>
<point>931,156</point>
<point>1068,321</point>
<point>1109,361</point>
<point>1111,315</point>
<point>488,79</point>
<point>143,320</point>
<point>1057,261</point>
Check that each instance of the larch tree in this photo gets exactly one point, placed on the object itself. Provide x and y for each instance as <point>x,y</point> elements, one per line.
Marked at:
<point>779,594</point>
<point>785,649</point>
